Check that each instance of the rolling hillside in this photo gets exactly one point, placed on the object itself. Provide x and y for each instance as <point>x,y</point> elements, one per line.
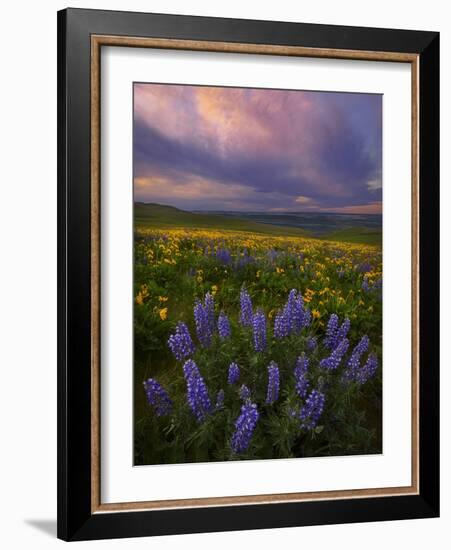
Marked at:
<point>166,217</point>
<point>162,216</point>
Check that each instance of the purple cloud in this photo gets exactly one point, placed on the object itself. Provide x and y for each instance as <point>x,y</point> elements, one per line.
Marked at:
<point>253,149</point>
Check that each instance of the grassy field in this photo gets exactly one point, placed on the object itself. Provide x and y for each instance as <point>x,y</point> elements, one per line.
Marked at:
<point>162,216</point>
<point>310,388</point>
<point>355,235</point>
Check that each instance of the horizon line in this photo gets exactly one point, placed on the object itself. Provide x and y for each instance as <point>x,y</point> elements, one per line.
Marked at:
<point>263,211</point>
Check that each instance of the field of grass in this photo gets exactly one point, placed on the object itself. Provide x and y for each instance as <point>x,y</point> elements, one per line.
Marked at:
<point>355,235</point>
<point>299,320</point>
<point>162,216</point>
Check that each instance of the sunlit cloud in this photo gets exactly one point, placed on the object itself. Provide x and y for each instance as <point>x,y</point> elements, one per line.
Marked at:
<point>302,200</point>
<point>195,146</point>
<point>374,185</point>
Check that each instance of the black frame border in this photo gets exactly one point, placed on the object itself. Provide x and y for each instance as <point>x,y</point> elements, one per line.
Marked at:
<point>75,520</point>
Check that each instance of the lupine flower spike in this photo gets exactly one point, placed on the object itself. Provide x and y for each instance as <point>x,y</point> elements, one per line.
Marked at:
<point>259,331</point>
<point>157,397</point>
<point>224,326</point>
<point>246,311</point>
<point>234,374</point>
<point>196,391</point>
<point>244,428</point>
<point>272,393</point>
<point>180,343</point>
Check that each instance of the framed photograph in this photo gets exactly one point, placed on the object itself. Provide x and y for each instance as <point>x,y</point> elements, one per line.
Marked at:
<point>248,274</point>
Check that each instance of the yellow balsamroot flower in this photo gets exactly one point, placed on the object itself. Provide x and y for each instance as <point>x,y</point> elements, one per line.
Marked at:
<point>199,278</point>
<point>142,295</point>
<point>214,289</point>
<point>361,303</point>
<point>163,298</point>
<point>163,313</point>
<point>258,274</point>
<point>370,309</point>
<point>316,314</point>
<point>280,270</point>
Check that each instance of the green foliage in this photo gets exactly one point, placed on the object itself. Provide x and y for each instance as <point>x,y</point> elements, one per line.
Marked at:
<point>174,267</point>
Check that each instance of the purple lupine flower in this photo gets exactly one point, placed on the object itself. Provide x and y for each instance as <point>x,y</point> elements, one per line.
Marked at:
<point>333,361</point>
<point>335,332</point>
<point>293,317</point>
<point>224,256</point>
<point>244,428</point>
<point>224,326</point>
<point>364,267</point>
<point>300,375</point>
<point>234,374</point>
<point>244,259</point>
<point>368,370</point>
<point>196,391</point>
<point>353,365</point>
<point>342,332</point>
<point>204,317</point>
<point>312,410</point>
<point>180,343</point>
<point>209,305</point>
<point>190,369</point>
<point>244,393</point>
<point>331,331</point>
<point>311,343</point>
<point>272,255</point>
<point>365,284</point>
<point>158,397</point>
<point>362,346</point>
<point>281,325</point>
<point>219,400</point>
<point>300,317</point>
<point>259,331</point>
<point>272,393</point>
<point>246,311</point>
<point>352,368</point>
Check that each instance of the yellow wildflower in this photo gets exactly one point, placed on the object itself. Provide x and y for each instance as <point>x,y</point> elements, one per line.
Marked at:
<point>163,313</point>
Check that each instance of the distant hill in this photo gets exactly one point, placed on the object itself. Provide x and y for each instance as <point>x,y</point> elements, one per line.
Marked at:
<point>162,216</point>
<point>167,217</point>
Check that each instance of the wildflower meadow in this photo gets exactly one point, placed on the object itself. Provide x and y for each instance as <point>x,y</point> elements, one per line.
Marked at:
<point>255,346</point>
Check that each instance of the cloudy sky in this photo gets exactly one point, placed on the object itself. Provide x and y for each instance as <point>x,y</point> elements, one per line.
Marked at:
<point>213,148</point>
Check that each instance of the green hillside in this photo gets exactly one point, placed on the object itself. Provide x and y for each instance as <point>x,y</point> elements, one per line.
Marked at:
<point>162,216</point>
<point>358,235</point>
<point>166,217</point>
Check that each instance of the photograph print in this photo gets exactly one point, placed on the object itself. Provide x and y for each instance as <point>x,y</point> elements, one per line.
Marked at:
<point>257,273</point>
